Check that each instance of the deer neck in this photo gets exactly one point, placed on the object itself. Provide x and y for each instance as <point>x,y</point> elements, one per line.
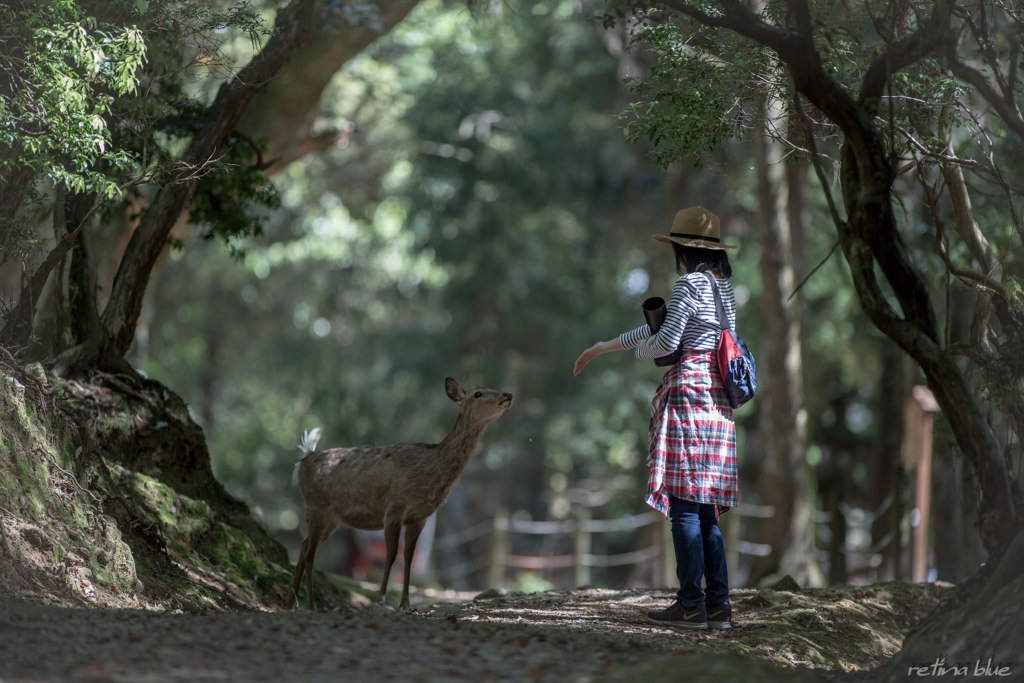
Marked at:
<point>454,452</point>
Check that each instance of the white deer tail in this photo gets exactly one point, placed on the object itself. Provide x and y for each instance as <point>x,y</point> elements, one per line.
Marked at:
<point>307,446</point>
<point>309,441</point>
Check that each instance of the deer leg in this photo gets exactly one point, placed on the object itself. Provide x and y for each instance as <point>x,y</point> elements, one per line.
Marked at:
<point>320,529</point>
<point>392,532</point>
<point>310,554</point>
<point>412,534</point>
<point>300,566</point>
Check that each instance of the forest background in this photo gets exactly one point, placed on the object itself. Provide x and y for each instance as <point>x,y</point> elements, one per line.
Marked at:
<point>469,206</point>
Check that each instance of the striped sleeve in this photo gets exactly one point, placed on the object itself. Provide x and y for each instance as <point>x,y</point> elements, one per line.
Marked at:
<point>630,339</point>
<point>681,306</point>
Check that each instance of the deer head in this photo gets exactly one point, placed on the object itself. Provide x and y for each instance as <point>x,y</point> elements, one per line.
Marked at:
<point>480,405</point>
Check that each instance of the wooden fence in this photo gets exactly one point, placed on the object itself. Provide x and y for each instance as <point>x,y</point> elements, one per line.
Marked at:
<point>502,527</point>
<point>582,560</point>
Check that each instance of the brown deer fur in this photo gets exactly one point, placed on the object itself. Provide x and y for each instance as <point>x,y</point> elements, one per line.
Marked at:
<point>387,487</point>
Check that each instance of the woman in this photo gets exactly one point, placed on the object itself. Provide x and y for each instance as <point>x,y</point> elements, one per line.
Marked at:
<point>692,444</point>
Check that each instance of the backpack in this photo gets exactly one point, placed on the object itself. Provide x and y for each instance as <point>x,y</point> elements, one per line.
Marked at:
<point>735,362</point>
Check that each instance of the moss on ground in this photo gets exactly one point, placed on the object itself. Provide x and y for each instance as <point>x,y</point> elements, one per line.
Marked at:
<point>57,539</point>
<point>840,629</point>
<point>845,628</point>
<point>107,498</point>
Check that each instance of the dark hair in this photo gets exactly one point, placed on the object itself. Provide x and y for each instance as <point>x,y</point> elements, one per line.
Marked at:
<point>697,259</point>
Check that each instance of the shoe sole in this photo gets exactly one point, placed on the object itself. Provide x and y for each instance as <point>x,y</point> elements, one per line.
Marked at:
<point>679,624</point>
<point>723,625</point>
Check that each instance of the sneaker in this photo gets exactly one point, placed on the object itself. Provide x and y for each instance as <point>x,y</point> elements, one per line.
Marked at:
<point>720,616</point>
<point>694,616</point>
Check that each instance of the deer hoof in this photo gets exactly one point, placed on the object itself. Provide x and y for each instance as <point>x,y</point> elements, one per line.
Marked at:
<point>381,608</point>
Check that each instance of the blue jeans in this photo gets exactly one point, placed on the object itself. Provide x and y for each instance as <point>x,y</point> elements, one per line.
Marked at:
<point>700,552</point>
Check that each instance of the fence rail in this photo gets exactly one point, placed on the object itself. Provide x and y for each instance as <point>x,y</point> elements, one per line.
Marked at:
<point>568,526</point>
<point>501,558</point>
<point>581,528</point>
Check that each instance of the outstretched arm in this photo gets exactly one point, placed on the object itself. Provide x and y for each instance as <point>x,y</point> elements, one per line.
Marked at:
<point>595,351</point>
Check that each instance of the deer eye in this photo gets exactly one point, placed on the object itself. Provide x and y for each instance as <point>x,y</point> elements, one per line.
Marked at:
<point>478,394</point>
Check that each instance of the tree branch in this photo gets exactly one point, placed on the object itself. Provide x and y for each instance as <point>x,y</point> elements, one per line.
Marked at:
<point>283,112</point>
<point>737,17</point>
<point>983,284</point>
<point>1008,111</point>
<point>813,146</point>
<point>907,51</point>
<point>814,270</point>
<point>259,165</point>
<point>801,13</point>
<point>294,30</point>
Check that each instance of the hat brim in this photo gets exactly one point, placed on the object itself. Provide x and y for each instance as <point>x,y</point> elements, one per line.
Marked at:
<point>690,242</point>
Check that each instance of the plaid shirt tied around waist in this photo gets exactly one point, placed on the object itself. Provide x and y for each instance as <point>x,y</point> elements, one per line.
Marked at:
<point>692,443</point>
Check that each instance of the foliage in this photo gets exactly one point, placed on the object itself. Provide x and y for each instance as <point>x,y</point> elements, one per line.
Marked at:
<point>234,198</point>
<point>698,94</point>
<point>63,70</point>
<point>709,83</point>
<point>191,55</point>
<point>103,98</point>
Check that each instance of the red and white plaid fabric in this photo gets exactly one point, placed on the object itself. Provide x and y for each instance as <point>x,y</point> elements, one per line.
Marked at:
<point>692,444</point>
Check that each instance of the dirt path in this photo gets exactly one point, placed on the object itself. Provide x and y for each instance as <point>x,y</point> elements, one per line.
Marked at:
<point>558,636</point>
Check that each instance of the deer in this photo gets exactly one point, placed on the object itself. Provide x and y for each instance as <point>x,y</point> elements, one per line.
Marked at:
<point>387,487</point>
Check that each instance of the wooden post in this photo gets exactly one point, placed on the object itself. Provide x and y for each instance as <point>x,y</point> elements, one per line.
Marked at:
<point>918,414</point>
<point>896,548</point>
<point>582,546</point>
<point>499,549</point>
<point>657,538</point>
<point>732,540</point>
<point>668,558</point>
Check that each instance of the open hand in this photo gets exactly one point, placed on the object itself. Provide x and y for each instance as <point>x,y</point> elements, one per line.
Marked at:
<point>587,356</point>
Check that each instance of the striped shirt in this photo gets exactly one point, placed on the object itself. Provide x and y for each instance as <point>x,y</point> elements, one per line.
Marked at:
<point>691,318</point>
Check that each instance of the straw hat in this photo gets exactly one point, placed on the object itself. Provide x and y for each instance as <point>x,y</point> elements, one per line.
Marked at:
<point>695,227</point>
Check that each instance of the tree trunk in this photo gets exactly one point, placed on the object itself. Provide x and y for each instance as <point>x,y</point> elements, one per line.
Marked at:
<point>870,235</point>
<point>958,550</point>
<point>785,481</point>
<point>886,459</point>
<point>12,191</point>
<point>798,199</point>
<point>20,323</point>
<point>833,484</point>
<point>85,319</point>
<point>286,110</point>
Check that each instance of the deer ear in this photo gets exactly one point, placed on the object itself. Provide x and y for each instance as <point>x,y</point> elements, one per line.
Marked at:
<point>454,390</point>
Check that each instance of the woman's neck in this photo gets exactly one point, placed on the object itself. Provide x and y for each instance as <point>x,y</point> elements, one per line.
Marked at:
<point>714,273</point>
